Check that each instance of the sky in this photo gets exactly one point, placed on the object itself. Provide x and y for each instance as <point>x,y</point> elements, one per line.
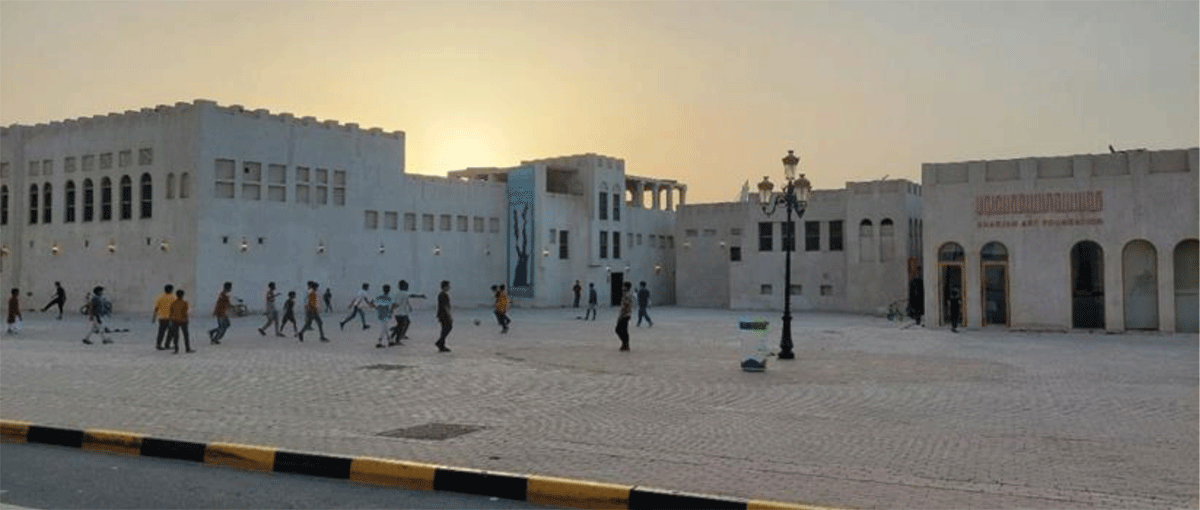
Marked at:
<point>709,93</point>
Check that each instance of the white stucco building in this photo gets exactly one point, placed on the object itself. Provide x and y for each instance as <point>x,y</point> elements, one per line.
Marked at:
<point>196,194</point>
<point>855,249</point>
<point>1103,241</point>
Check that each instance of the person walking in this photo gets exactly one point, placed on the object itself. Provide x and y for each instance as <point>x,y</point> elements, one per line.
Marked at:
<point>60,299</point>
<point>162,314</point>
<point>384,305</point>
<point>577,289</point>
<point>501,306</point>
<point>14,312</point>
<point>403,311</point>
<point>99,311</point>
<point>643,299</point>
<point>444,316</point>
<point>954,304</point>
<point>328,297</point>
<point>272,313</point>
<point>591,309</point>
<point>916,298</point>
<point>625,315</point>
<point>289,314</point>
<point>362,300</point>
<point>221,312</point>
<point>179,324</point>
<point>312,313</point>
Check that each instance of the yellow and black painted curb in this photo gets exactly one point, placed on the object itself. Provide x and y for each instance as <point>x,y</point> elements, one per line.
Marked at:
<point>390,472</point>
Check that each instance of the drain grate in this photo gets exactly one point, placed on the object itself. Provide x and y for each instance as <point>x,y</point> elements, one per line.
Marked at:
<point>384,366</point>
<point>433,431</point>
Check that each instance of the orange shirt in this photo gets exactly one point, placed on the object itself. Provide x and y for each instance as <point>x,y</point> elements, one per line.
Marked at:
<point>162,306</point>
<point>310,304</point>
<point>222,308</point>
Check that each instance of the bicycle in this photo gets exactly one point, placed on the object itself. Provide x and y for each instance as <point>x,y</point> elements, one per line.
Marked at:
<point>897,310</point>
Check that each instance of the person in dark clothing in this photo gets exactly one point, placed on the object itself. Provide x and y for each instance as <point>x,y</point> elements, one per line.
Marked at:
<point>578,289</point>
<point>592,299</point>
<point>289,313</point>
<point>328,297</point>
<point>643,299</point>
<point>60,299</point>
<point>444,316</point>
<point>625,315</point>
<point>916,298</point>
<point>954,304</point>
<point>14,312</point>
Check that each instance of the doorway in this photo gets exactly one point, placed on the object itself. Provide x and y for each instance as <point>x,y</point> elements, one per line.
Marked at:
<point>950,262</point>
<point>617,282</point>
<point>1187,286</point>
<point>1087,285</point>
<point>994,258</point>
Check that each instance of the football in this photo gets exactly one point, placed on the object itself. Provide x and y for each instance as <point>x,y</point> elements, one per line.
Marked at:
<point>476,322</point>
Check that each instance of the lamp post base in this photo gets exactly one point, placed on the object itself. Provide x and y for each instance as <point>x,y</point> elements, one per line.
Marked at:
<point>785,342</point>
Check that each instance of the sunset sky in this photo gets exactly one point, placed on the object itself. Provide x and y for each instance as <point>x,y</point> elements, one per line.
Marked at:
<point>710,93</point>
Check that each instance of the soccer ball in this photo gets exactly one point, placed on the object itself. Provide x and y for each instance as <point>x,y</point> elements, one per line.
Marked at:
<point>477,322</point>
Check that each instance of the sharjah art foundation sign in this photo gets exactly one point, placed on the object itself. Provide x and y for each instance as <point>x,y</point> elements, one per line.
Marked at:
<point>1029,204</point>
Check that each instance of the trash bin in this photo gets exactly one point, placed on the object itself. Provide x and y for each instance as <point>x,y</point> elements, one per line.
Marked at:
<point>754,350</point>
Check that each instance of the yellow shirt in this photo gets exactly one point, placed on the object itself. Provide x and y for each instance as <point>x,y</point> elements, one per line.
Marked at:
<point>162,307</point>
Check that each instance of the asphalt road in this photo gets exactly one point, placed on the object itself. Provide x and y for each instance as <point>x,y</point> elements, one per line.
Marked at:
<point>42,476</point>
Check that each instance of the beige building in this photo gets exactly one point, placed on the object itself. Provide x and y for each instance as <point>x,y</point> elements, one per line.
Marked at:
<point>1103,241</point>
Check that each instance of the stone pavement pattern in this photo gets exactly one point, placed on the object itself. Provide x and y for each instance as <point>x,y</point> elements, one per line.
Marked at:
<point>869,415</point>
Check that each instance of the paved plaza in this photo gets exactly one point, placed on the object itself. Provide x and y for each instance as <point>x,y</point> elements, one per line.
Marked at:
<point>871,414</point>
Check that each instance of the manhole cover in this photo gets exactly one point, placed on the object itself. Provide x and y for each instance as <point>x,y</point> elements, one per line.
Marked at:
<point>384,366</point>
<point>432,431</point>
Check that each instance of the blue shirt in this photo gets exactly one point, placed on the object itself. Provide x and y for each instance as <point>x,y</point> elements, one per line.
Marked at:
<point>383,307</point>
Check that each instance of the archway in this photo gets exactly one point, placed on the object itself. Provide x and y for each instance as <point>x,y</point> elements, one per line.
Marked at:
<point>1187,286</point>
<point>993,260</point>
<point>950,269</point>
<point>1139,273</point>
<point>1087,285</point>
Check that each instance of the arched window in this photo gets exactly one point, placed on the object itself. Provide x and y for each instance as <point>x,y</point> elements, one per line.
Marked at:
<point>887,240</point>
<point>105,199</point>
<point>951,252</point>
<point>185,185</point>
<point>993,261</point>
<point>126,197</point>
<point>47,196</point>
<point>170,185</point>
<point>993,252</point>
<point>866,241</point>
<point>69,203</point>
<point>33,204</point>
<point>89,200</point>
<point>3,205</point>
<point>147,196</point>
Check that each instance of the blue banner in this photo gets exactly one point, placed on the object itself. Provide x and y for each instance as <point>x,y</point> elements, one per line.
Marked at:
<point>522,238</point>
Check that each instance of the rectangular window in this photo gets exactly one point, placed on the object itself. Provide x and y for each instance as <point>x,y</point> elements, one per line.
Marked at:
<point>445,222</point>
<point>302,194</point>
<point>789,235</point>
<point>616,245</point>
<point>603,205</point>
<point>629,239</point>
<point>827,290</point>
<point>339,187</point>
<point>691,232</point>
<point>427,222</point>
<point>563,252</point>
<point>145,156</point>
<point>671,242</point>
<point>251,177</point>
<point>494,225</point>
<point>710,232</point>
<point>48,167</point>
<point>462,223</point>
<point>812,236</point>
<point>224,177</point>
<point>87,163</point>
<point>797,289</point>
<point>4,170</point>
<point>835,236</point>
<point>339,196</point>
<point>553,236</point>
<point>603,244</point>
<point>322,176</point>
<point>277,183</point>
<point>302,174</point>
<point>765,289</point>
<point>410,222</point>
<point>69,165</point>
<point>639,239</point>
<point>35,168</point>
<point>735,232</point>
<point>390,220</point>
<point>616,198</point>
<point>371,220</point>
<point>735,253</point>
<point>124,158</point>
<point>478,220</point>
<point>322,197</point>
<point>766,236</point>
<point>105,160</point>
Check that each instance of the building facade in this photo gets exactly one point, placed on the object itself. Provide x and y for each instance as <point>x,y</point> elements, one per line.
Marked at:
<point>853,250</point>
<point>197,194</point>
<point>1103,241</point>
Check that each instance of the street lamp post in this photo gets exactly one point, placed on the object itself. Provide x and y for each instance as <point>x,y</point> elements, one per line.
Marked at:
<point>794,198</point>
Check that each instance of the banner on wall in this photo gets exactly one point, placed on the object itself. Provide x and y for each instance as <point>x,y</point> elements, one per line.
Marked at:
<point>521,232</point>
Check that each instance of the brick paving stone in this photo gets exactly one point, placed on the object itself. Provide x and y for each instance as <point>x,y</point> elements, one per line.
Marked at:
<point>870,414</point>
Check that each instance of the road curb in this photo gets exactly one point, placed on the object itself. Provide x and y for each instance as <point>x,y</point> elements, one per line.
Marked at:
<point>388,472</point>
